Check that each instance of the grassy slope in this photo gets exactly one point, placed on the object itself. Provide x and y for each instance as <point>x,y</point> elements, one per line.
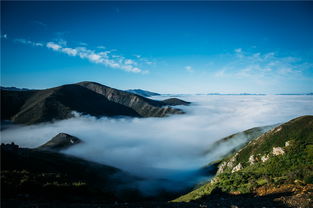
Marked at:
<point>295,166</point>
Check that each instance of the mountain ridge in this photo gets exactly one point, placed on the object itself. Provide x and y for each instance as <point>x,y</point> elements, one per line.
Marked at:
<point>36,106</point>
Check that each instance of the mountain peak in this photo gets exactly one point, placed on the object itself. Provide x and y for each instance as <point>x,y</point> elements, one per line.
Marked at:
<point>60,142</point>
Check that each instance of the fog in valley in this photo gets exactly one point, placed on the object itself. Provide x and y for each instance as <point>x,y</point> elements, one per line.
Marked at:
<point>172,148</point>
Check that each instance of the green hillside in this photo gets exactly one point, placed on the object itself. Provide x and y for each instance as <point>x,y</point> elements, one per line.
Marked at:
<point>281,159</point>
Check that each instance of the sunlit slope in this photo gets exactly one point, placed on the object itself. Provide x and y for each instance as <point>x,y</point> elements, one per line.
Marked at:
<point>283,155</point>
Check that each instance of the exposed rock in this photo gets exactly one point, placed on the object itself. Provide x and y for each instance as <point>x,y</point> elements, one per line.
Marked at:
<point>264,158</point>
<point>221,167</point>
<point>231,162</point>
<point>252,159</point>
<point>277,129</point>
<point>287,143</point>
<point>278,151</point>
<point>237,168</point>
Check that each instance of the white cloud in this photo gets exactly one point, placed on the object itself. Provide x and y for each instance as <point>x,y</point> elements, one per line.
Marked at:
<point>129,61</point>
<point>53,46</point>
<point>101,47</point>
<point>238,50</point>
<point>70,51</point>
<point>4,36</point>
<point>102,57</point>
<point>188,68</point>
<point>28,42</point>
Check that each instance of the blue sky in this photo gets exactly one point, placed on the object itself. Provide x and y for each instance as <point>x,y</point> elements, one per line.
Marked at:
<point>167,47</point>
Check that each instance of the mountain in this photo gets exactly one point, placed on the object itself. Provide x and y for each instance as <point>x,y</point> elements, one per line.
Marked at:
<point>236,141</point>
<point>13,88</point>
<point>175,101</point>
<point>60,142</point>
<point>35,174</point>
<point>277,162</point>
<point>143,106</point>
<point>35,106</point>
<point>143,93</point>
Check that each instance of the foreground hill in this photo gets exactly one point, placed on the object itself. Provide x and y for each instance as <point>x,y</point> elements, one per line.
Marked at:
<point>37,174</point>
<point>279,161</point>
<point>35,106</point>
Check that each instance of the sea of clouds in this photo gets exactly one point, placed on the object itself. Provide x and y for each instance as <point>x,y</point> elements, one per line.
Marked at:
<point>157,148</point>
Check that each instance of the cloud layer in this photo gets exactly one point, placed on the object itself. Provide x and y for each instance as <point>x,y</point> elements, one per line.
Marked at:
<point>174,143</point>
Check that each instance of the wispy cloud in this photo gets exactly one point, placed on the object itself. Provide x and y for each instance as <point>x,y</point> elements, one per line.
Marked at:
<point>99,56</point>
<point>28,42</point>
<point>243,64</point>
<point>4,36</point>
<point>39,23</point>
<point>189,68</point>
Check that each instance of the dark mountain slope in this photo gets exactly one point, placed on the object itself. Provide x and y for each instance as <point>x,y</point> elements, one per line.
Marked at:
<point>143,93</point>
<point>59,103</point>
<point>279,161</point>
<point>29,107</point>
<point>143,106</point>
<point>60,142</point>
<point>175,101</point>
<point>12,102</point>
<point>41,174</point>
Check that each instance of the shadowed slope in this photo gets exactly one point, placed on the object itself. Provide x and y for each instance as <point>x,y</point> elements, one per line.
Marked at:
<point>60,102</point>
<point>35,106</point>
<point>143,106</point>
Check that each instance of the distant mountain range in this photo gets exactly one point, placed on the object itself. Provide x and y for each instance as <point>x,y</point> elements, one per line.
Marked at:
<point>258,94</point>
<point>35,106</point>
<point>14,88</point>
<point>143,93</point>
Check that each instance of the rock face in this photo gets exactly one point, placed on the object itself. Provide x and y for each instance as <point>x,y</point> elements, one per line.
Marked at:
<point>237,168</point>
<point>278,151</point>
<point>60,142</point>
<point>175,101</point>
<point>35,106</point>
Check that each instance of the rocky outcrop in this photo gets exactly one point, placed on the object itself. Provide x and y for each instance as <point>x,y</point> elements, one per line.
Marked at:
<point>278,151</point>
<point>237,168</point>
<point>252,159</point>
<point>60,142</point>
<point>265,158</point>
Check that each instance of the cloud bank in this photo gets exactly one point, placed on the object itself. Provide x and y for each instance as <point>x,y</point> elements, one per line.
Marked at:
<point>158,148</point>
